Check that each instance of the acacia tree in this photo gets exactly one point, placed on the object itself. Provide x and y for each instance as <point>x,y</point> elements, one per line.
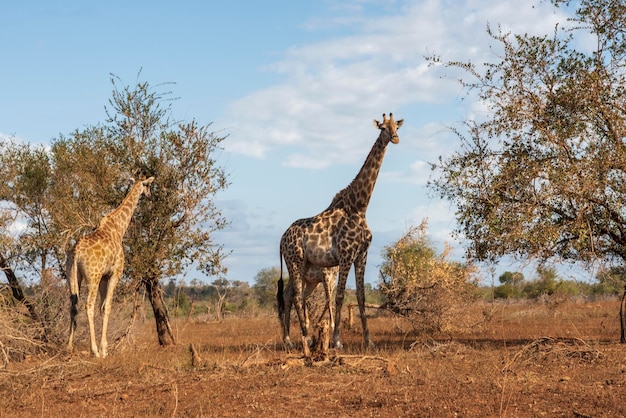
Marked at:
<point>173,229</point>
<point>264,287</point>
<point>24,176</point>
<point>544,174</point>
<point>62,193</point>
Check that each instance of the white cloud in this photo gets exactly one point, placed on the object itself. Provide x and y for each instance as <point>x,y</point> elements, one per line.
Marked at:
<point>254,235</point>
<point>320,115</point>
<point>332,88</point>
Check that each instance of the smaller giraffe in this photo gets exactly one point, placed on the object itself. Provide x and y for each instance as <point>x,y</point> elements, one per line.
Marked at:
<point>285,297</point>
<point>98,259</point>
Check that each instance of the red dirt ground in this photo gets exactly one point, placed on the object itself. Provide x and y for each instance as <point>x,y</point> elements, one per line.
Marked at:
<point>528,360</point>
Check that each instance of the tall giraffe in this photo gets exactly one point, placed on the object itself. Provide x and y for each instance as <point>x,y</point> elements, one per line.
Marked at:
<point>339,236</point>
<point>314,276</point>
<point>98,259</point>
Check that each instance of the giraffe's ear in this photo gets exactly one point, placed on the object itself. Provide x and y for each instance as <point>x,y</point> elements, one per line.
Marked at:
<point>399,123</point>
<point>149,180</point>
<point>377,124</point>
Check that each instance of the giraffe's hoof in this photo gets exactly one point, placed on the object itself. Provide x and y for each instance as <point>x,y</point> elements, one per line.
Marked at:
<point>288,344</point>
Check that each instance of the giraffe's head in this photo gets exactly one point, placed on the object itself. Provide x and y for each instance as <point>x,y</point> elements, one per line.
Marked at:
<point>146,185</point>
<point>389,127</point>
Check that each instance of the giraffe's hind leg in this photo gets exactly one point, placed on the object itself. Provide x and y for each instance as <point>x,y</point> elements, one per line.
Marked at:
<point>344,269</point>
<point>91,307</point>
<point>285,317</point>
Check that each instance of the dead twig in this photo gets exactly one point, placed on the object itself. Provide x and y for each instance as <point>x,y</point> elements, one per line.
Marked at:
<point>569,347</point>
<point>196,360</point>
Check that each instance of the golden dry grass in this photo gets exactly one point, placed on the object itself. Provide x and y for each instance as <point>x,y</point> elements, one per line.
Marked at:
<point>528,360</point>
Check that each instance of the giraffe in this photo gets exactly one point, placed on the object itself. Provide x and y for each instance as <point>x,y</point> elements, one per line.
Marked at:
<point>312,278</point>
<point>339,236</point>
<point>98,259</point>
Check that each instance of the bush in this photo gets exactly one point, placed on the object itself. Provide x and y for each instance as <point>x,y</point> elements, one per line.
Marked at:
<point>430,290</point>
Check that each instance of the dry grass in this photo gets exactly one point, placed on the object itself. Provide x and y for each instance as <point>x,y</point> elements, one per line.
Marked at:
<point>529,360</point>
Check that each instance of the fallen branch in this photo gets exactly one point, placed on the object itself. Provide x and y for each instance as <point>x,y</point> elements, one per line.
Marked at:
<point>351,307</point>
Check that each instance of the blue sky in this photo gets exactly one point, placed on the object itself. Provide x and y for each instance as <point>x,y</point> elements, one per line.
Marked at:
<point>295,85</point>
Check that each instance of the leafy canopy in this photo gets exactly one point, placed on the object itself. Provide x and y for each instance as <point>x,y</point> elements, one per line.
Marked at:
<point>544,174</point>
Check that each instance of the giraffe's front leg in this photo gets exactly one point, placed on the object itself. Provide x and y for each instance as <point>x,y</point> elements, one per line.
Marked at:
<point>344,269</point>
<point>359,272</point>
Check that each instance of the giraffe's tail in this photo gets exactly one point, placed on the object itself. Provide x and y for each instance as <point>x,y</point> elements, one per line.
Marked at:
<point>71,271</point>
<point>280,298</point>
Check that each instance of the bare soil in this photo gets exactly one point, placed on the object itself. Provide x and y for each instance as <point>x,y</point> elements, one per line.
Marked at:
<point>528,360</point>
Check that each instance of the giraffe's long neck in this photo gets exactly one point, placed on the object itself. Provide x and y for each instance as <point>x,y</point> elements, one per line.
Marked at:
<point>357,195</point>
<point>117,221</point>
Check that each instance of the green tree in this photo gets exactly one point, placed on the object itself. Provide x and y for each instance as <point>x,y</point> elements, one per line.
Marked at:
<point>547,283</point>
<point>505,291</point>
<point>512,278</point>
<point>221,286</point>
<point>25,227</point>
<point>511,285</point>
<point>610,281</point>
<point>65,191</point>
<point>264,287</point>
<point>544,174</point>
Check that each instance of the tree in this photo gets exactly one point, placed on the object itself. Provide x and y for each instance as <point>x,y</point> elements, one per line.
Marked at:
<point>174,232</point>
<point>547,283</point>
<point>24,177</point>
<point>544,174</point>
<point>221,286</point>
<point>512,278</point>
<point>423,286</point>
<point>511,283</point>
<point>611,281</point>
<point>265,286</point>
<point>64,192</point>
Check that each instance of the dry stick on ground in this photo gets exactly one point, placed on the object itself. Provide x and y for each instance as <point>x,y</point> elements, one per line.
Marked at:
<point>175,390</point>
<point>4,354</point>
<point>363,358</point>
<point>49,364</point>
<point>536,344</point>
<point>259,349</point>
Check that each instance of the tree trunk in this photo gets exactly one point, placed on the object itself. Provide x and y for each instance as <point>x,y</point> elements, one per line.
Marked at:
<point>622,318</point>
<point>161,315</point>
<point>219,307</point>
<point>18,294</point>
